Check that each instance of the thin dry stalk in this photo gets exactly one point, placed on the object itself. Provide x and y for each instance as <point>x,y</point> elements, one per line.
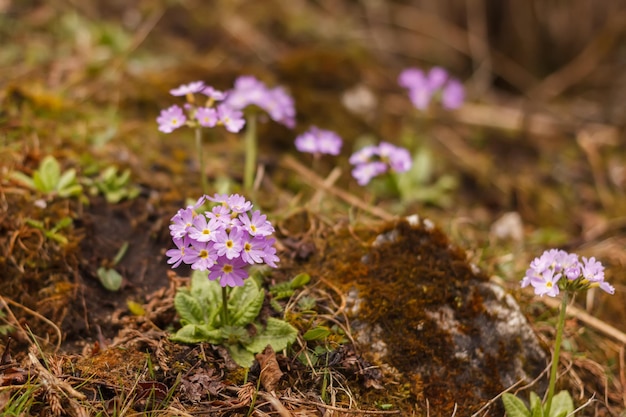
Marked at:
<point>314,180</point>
<point>6,301</point>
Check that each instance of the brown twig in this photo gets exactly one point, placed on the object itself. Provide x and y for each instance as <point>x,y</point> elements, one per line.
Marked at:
<point>343,410</point>
<point>589,320</point>
<point>291,163</point>
<point>56,328</point>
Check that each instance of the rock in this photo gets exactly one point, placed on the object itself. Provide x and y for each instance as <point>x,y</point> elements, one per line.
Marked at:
<point>418,309</point>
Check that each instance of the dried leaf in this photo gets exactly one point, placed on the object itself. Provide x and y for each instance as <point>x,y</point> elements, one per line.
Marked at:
<point>270,371</point>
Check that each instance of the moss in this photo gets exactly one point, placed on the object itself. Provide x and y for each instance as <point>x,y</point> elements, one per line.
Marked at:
<point>404,283</point>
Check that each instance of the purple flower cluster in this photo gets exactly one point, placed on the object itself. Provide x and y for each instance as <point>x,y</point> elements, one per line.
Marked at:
<point>557,270</point>
<point>210,114</point>
<point>224,241</point>
<point>318,141</point>
<point>275,101</point>
<point>436,84</point>
<point>372,161</point>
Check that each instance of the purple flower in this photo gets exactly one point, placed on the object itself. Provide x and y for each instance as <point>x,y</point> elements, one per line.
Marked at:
<point>229,244</point>
<point>280,106</point>
<point>363,173</point>
<point>411,78</point>
<point>436,85</point>
<point>181,221</point>
<point>248,90</point>
<point>257,224</point>
<point>372,161</point>
<point>545,271</point>
<point>319,141</point>
<point>452,95</point>
<point>593,271</point>
<point>201,256</point>
<point>206,116</point>
<point>546,283</point>
<point>213,94</point>
<point>230,272</point>
<point>399,159</point>
<point>223,241</point>
<point>191,88</point>
<point>176,255</point>
<point>232,119</point>
<point>171,119</point>
<point>253,249</point>
<point>238,203</point>
<point>204,229</point>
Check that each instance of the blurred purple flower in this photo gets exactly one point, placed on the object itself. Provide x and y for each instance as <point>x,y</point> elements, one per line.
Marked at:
<point>436,85</point>
<point>171,119</point>
<point>372,161</point>
<point>319,141</point>
<point>206,116</point>
<point>191,88</point>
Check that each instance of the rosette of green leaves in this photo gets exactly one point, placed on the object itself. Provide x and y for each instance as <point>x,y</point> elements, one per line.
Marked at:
<point>562,405</point>
<point>48,179</point>
<point>199,307</point>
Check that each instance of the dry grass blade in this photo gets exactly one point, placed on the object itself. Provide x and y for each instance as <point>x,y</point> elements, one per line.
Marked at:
<point>315,181</point>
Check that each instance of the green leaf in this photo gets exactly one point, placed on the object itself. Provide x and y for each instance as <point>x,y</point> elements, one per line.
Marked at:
<point>193,333</point>
<point>562,404</point>
<point>67,179</point>
<point>23,179</point>
<point>245,303</point>
<point>110,278</point>
<point>300,280</point>
<point>47,176</point>
<point>188,308</point>
<point>74,190</point>
<point>317,333</point>
<point>278,334</point>
<point>241,355</point>
<point>514,407</point>
<point>536,407</point>
<point>209,295</point>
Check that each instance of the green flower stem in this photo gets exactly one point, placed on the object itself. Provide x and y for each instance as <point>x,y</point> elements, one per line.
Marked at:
<point>557,349</point>
<point>251,152</point>
<point>201,160</point>
<point>224,306</point>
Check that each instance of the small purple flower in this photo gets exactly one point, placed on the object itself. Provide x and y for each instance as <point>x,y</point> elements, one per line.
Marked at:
<point>546,283</point>
<point>253,249</point>
<point>436,78</point>
<point>363,173</point>
<point>223,241</point>
<point>280,106</point>
<point>176,255</point>
<point>248,90</point>
<point>232,119</point>
<point>269,255</point>
<point>257,224</point>
<point>204,229</point>
<point>206,116</point>
<point>452,95</point>
<point>372,161</point>
<point>229,244</point>
<point>230,272</point>
<point>191,88</point>
<point>171,119</point>
<point>319,141</point>
<point>213,94</point>
<point>545,271</point>
<point>181,222</point>
<point>201,256</point>
<point>436,85</point>
<point>399,159</point>
<point>411,78</point>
